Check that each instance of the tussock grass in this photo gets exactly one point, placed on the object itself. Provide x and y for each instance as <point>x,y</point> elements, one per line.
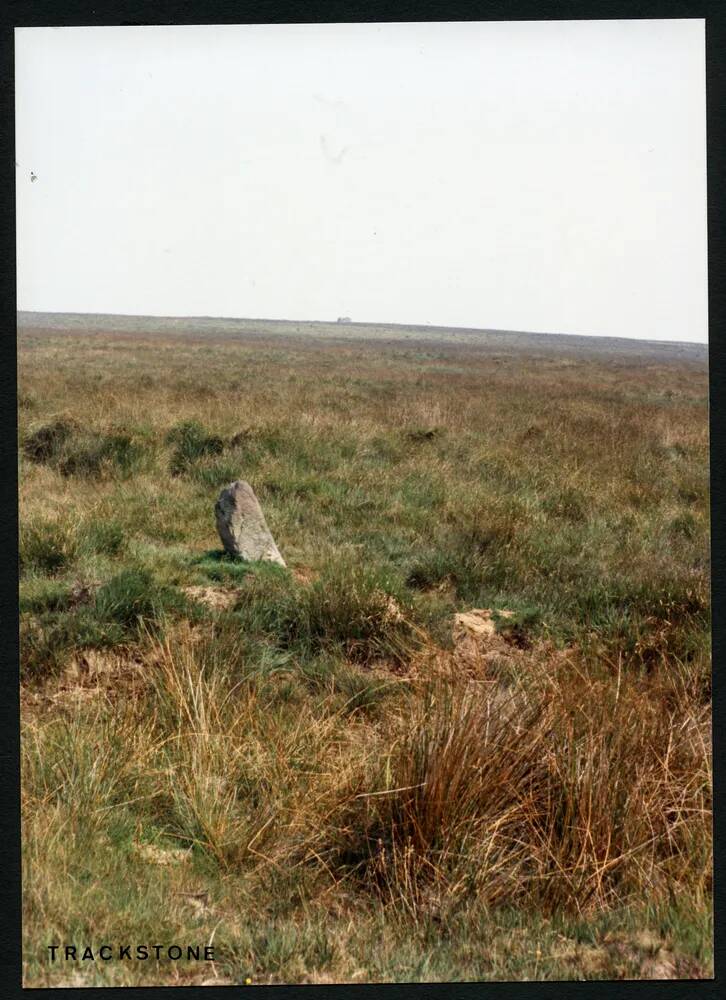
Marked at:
<point>129,607</point>
<point>47,545</point>
<point>105,537</point>
<point>46,443</point>
<point>456,796</point>
<point>75,451</point>
<point>191,442</point>
<point>555,797</point>
<point>305,771</point>
<point>349,608</point>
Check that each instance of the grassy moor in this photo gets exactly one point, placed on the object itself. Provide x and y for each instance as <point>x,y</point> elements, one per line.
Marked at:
<point>465,735</point>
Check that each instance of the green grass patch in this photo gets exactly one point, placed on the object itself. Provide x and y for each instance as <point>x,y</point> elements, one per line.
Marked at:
<point>356,610</point>
<point>191,442</point>
<point>131,607</point>
<point>74,451</point>
<point>47,545</point>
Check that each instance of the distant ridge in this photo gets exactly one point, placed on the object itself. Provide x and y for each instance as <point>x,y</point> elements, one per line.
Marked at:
<point>226,327</point>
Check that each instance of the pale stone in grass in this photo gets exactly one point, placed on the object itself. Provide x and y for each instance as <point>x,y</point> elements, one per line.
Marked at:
<point>477,644</point>
<point>242,526</point>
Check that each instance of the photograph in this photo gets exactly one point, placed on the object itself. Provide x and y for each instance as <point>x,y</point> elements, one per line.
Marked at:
<point>364,503</point>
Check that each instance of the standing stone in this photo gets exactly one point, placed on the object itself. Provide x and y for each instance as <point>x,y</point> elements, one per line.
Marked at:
<point>242,526</point>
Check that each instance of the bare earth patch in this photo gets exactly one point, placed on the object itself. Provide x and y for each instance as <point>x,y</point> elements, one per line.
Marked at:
<point>212,597</point>
<point>643,955</point>
<point>477,644</point>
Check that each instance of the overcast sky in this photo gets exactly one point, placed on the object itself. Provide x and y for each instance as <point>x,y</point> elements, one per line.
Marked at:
<point>544,176</point>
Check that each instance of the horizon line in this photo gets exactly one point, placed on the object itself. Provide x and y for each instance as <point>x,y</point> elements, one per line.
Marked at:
<point>348,321</point>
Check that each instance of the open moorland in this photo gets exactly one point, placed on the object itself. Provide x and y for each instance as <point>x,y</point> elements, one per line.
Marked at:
<point>464,736</point>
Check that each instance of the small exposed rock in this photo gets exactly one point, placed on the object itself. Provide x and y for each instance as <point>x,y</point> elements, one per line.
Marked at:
<point>478,622</point>
<point>476,640</point>
<point>162,856</point>
<point>242,526</point>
